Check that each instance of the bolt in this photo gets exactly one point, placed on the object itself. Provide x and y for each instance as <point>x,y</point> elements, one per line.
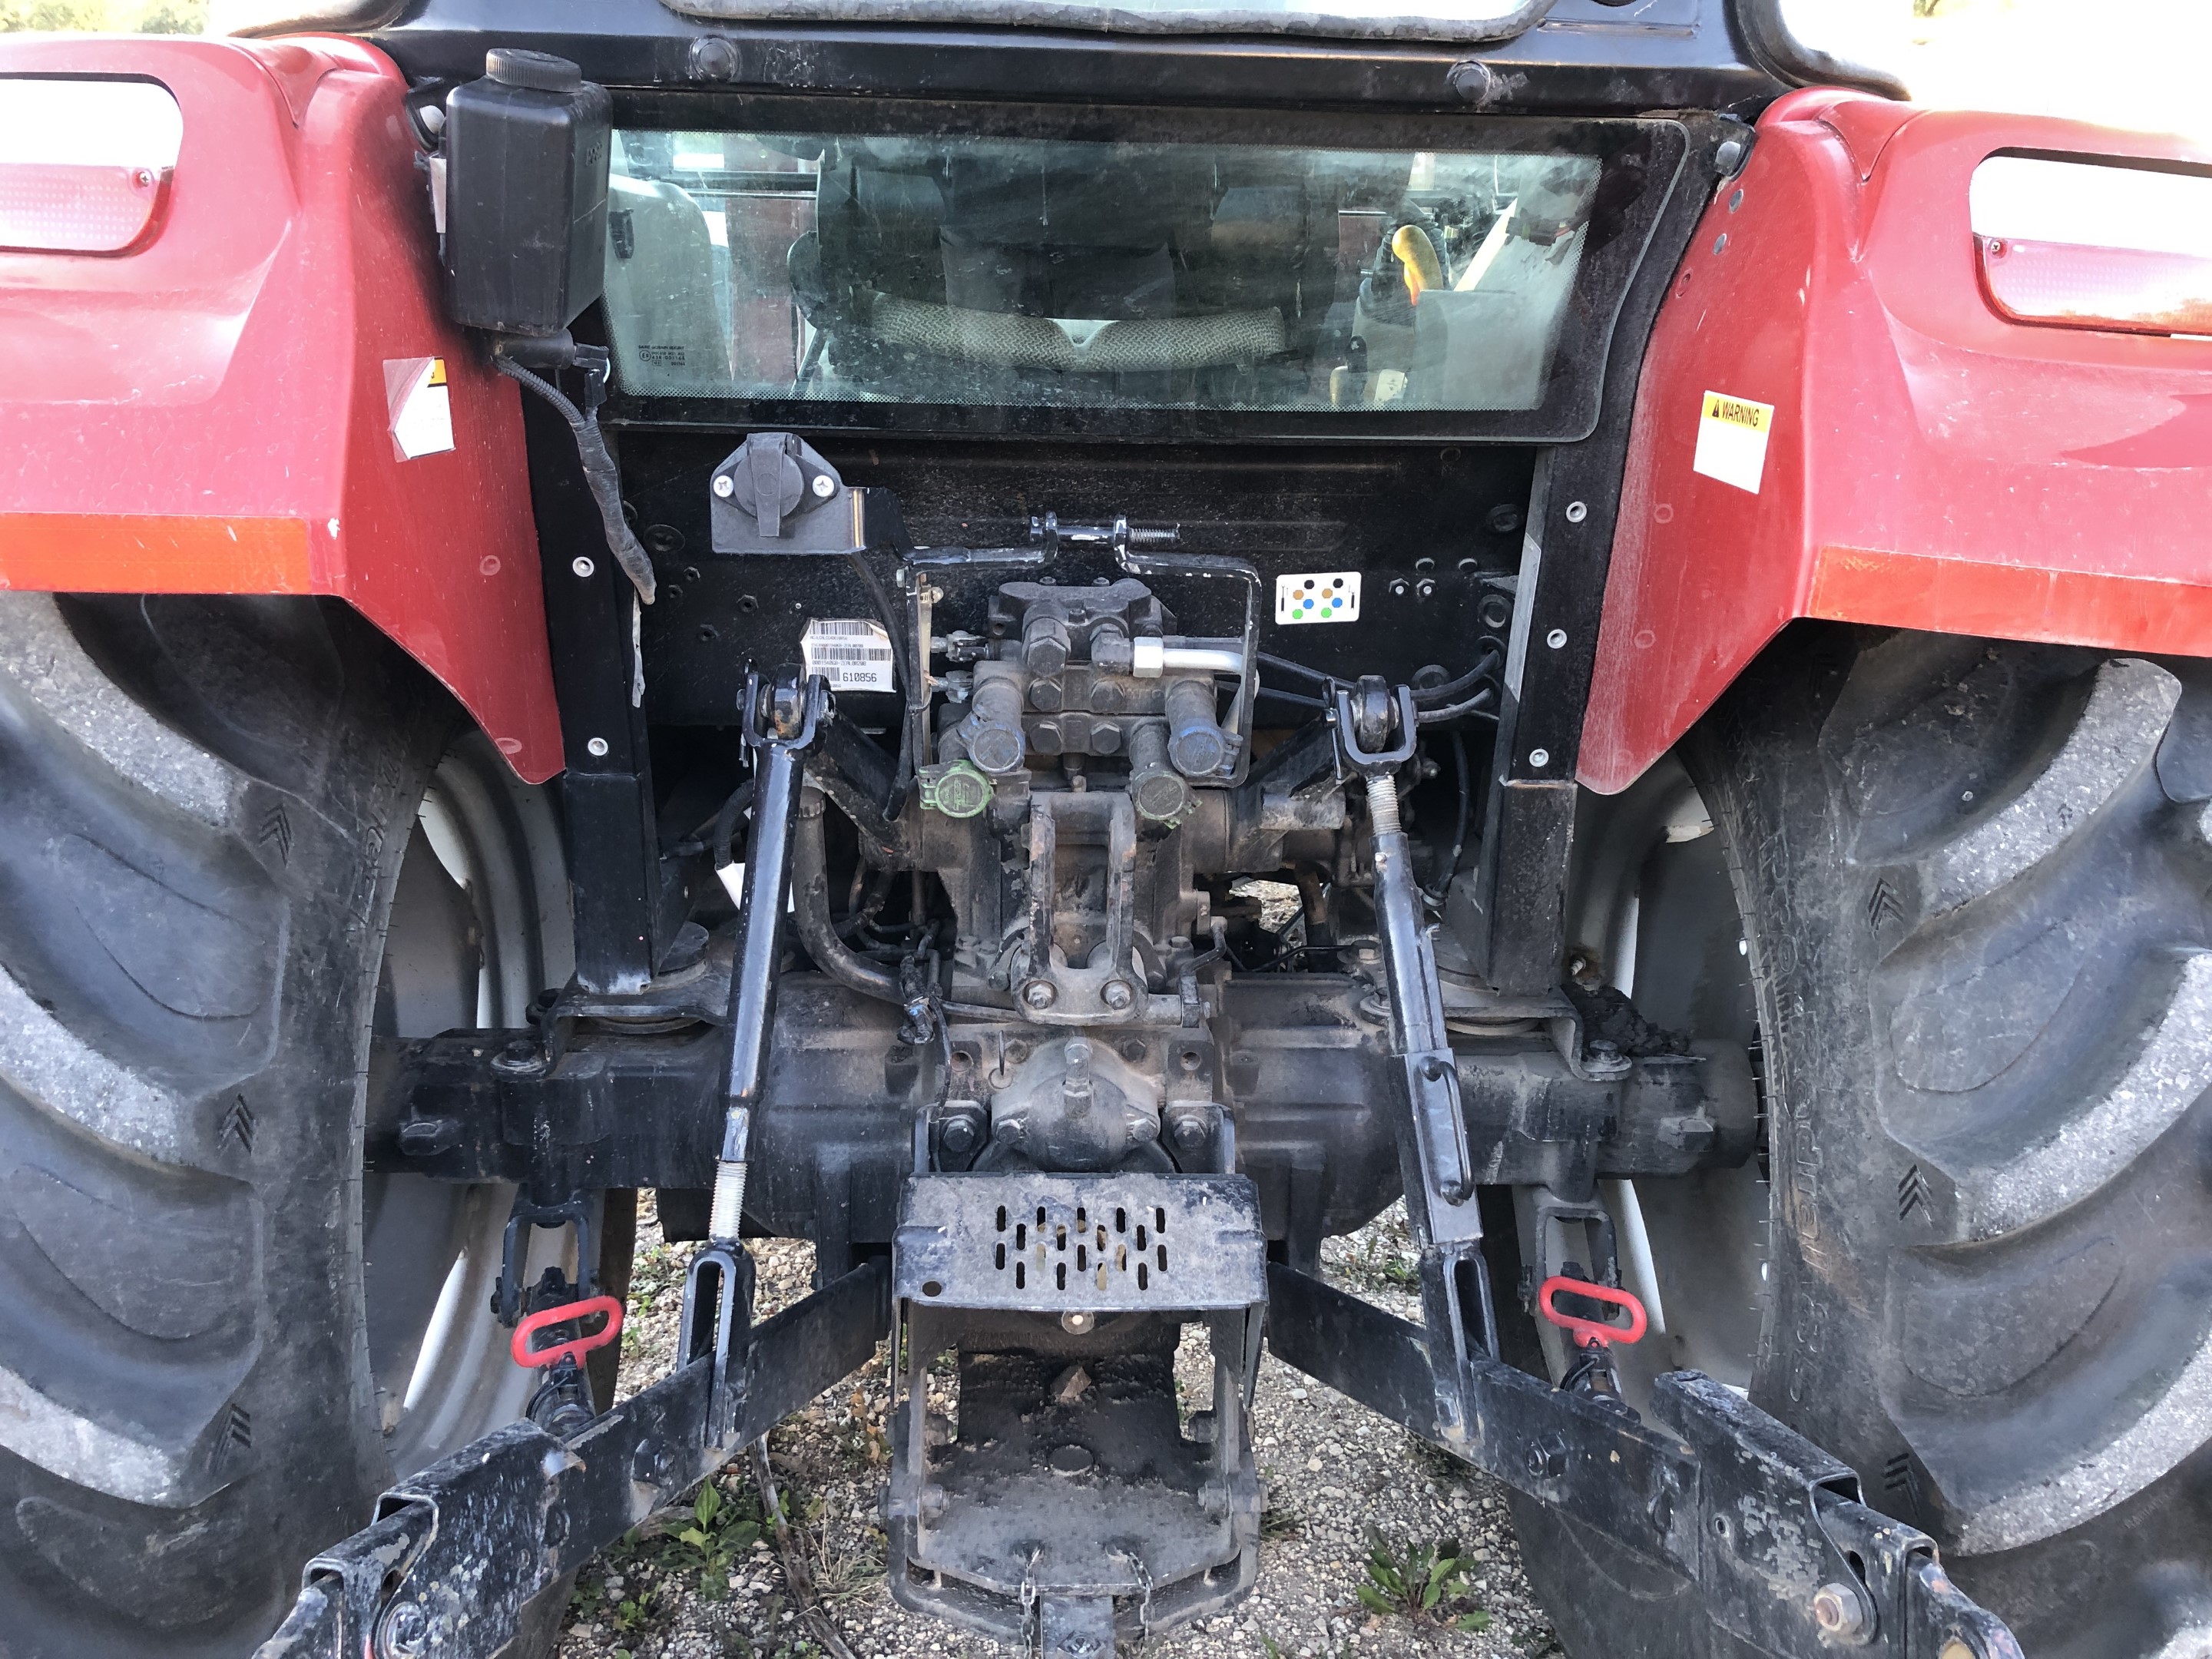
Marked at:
<point>1040,994</point>
<point>597,747</point>
<point>1505,518</point>
<point>959,1134</point>
<point>1398,587</point>
<point>1838,1610</point>
<point>1425,587</point>
<point>1476,81</point>
<point>1727,156</point>
<point>1117,994</point>
<point>520,1056</point>
<point>1189,1134</point>
<point>1078,1324</point>
<point>583,567</point>
<point>1577,511</point>
<point>724,485</point>
<point>406,1630</point>
<point>714,59</point>
<point>824,486</point>
<point>1556,638</point>
<point>1539,758</point>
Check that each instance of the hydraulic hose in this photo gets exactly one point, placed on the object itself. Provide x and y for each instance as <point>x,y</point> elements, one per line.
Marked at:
<point>809,899</point>
<point>810,892</point>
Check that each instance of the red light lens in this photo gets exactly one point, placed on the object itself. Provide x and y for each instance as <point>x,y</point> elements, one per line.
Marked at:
<point>2094,242</point>
<point>58,207</point>
<point>85,164</point>
<point>2065,284</point>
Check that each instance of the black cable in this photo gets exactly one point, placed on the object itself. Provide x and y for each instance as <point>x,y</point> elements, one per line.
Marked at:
<point>913,677</point>
<point>1486,665</point>
<point>1268,659</point>
<point>1484,668</point>
<point>1290,696</point>
<point>725,824</point>
<point>600,473</point>
<point>1442,890</point>
<point>1473,705</point>
<point>1290,951</point>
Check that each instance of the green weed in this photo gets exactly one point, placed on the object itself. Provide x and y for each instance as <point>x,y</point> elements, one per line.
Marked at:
<point>723,1528</point>
<point>1429,1584</point>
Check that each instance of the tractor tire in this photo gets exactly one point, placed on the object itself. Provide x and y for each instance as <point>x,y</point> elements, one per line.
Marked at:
<point>219,1340</point>
<point>1973,881</point>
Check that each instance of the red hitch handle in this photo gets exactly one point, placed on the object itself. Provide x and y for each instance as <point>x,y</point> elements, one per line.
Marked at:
<point>1589,1332</point>
<point>568,1313</point>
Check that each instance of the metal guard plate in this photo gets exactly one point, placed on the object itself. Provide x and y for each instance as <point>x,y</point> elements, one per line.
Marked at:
<point>1104,1243</point>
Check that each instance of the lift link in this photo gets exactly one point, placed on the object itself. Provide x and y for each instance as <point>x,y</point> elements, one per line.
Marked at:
<point>779,724</point>
<point>1768,1529</point>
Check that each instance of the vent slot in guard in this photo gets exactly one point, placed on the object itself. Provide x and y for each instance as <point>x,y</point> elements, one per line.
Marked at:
<point>1108,1243</point>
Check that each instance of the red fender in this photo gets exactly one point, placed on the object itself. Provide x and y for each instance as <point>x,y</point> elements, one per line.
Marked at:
<point>1930,466</point>
<point>210,413</point>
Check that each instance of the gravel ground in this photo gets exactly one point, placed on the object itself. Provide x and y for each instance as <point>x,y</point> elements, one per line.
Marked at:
<point>702,1585</point>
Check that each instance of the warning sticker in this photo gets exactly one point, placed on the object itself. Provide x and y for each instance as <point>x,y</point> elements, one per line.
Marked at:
<point>421,406</point>
<point>851,654</point>
<point>1732,434</point>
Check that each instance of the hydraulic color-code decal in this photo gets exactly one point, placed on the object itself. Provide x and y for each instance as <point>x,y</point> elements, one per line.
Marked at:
<point>1320,596</point>
<point>851,653</point>
<point>1732,434</point>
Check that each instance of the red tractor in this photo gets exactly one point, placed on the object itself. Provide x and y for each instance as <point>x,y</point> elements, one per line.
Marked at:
<point>1064,650</point>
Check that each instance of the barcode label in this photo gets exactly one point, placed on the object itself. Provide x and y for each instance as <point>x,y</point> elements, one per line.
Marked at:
<point>851,653</point>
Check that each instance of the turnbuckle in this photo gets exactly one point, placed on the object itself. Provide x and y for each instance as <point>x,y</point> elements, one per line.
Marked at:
<point>1418,1037</point>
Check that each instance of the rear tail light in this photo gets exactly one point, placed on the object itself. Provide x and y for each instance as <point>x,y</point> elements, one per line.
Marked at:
<point>85,164</point>
<point>2095,244</point>
<point>2133,289</point>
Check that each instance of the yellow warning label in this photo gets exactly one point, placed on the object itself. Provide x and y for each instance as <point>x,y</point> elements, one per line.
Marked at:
<point>1732,434</point>
<point>1736,411</point>
<point>438,373</point>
